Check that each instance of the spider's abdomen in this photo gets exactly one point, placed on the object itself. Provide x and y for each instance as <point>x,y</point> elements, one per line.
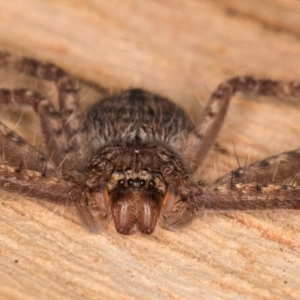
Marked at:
<point>137,115</point>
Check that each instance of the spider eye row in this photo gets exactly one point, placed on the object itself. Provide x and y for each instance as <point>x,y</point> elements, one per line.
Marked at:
<point>139,182</point>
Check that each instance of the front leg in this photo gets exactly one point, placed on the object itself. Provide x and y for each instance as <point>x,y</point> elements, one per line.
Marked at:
<point>248,196</point>
<point>259,186</point>
<point>51,189</point>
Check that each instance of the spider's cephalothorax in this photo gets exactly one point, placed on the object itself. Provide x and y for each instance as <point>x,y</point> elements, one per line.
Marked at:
<point>133,187</point>
<point>140,183</point>
<point>131,156</point>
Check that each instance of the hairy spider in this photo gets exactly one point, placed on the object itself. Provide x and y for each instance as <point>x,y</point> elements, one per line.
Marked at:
<point>131,156</point>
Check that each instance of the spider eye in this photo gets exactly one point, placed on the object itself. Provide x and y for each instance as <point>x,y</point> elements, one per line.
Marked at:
<point>142,182</point>
<point>121,182</point>
<point>130,182</point>
<point>151,183</point>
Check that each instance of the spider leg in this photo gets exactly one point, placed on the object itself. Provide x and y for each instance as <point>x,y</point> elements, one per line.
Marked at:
<point>60,132</point>
<point>51,121</point>
<point>274,169</point>
<point>202,138</point>
<point>255,187</point>
<point>248,196</point>
<point>19,153</point>
<point>51,189</point>
<point>229,196</point>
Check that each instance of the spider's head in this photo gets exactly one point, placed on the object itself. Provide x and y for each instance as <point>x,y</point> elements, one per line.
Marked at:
<point>142,186</point>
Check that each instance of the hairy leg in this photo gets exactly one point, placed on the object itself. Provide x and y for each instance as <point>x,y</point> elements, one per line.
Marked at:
<point>18,153</point>
<point>60,131</point>
<point>42,187</point>
<point>248,196</point>
<point>274,170</point>
<point>50,120</point>
<point>202,138</point>
<point>230,196</point>
<point>256,187</point>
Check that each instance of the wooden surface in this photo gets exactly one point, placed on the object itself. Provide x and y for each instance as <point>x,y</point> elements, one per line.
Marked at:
<point>181,49</point>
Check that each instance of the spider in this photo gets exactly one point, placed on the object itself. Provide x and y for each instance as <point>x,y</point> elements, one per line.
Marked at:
<point>131,156</point>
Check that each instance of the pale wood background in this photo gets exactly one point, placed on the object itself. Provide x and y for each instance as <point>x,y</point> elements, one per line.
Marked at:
<point>181,49</point>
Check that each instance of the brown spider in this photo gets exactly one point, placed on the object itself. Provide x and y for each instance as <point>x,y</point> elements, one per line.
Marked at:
<point>131,156</point>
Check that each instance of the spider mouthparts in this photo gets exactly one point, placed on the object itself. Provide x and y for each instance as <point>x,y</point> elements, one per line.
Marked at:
<point>135,211</point>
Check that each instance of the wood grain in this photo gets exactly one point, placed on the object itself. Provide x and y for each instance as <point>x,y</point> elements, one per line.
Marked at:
<point>182,49</point>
